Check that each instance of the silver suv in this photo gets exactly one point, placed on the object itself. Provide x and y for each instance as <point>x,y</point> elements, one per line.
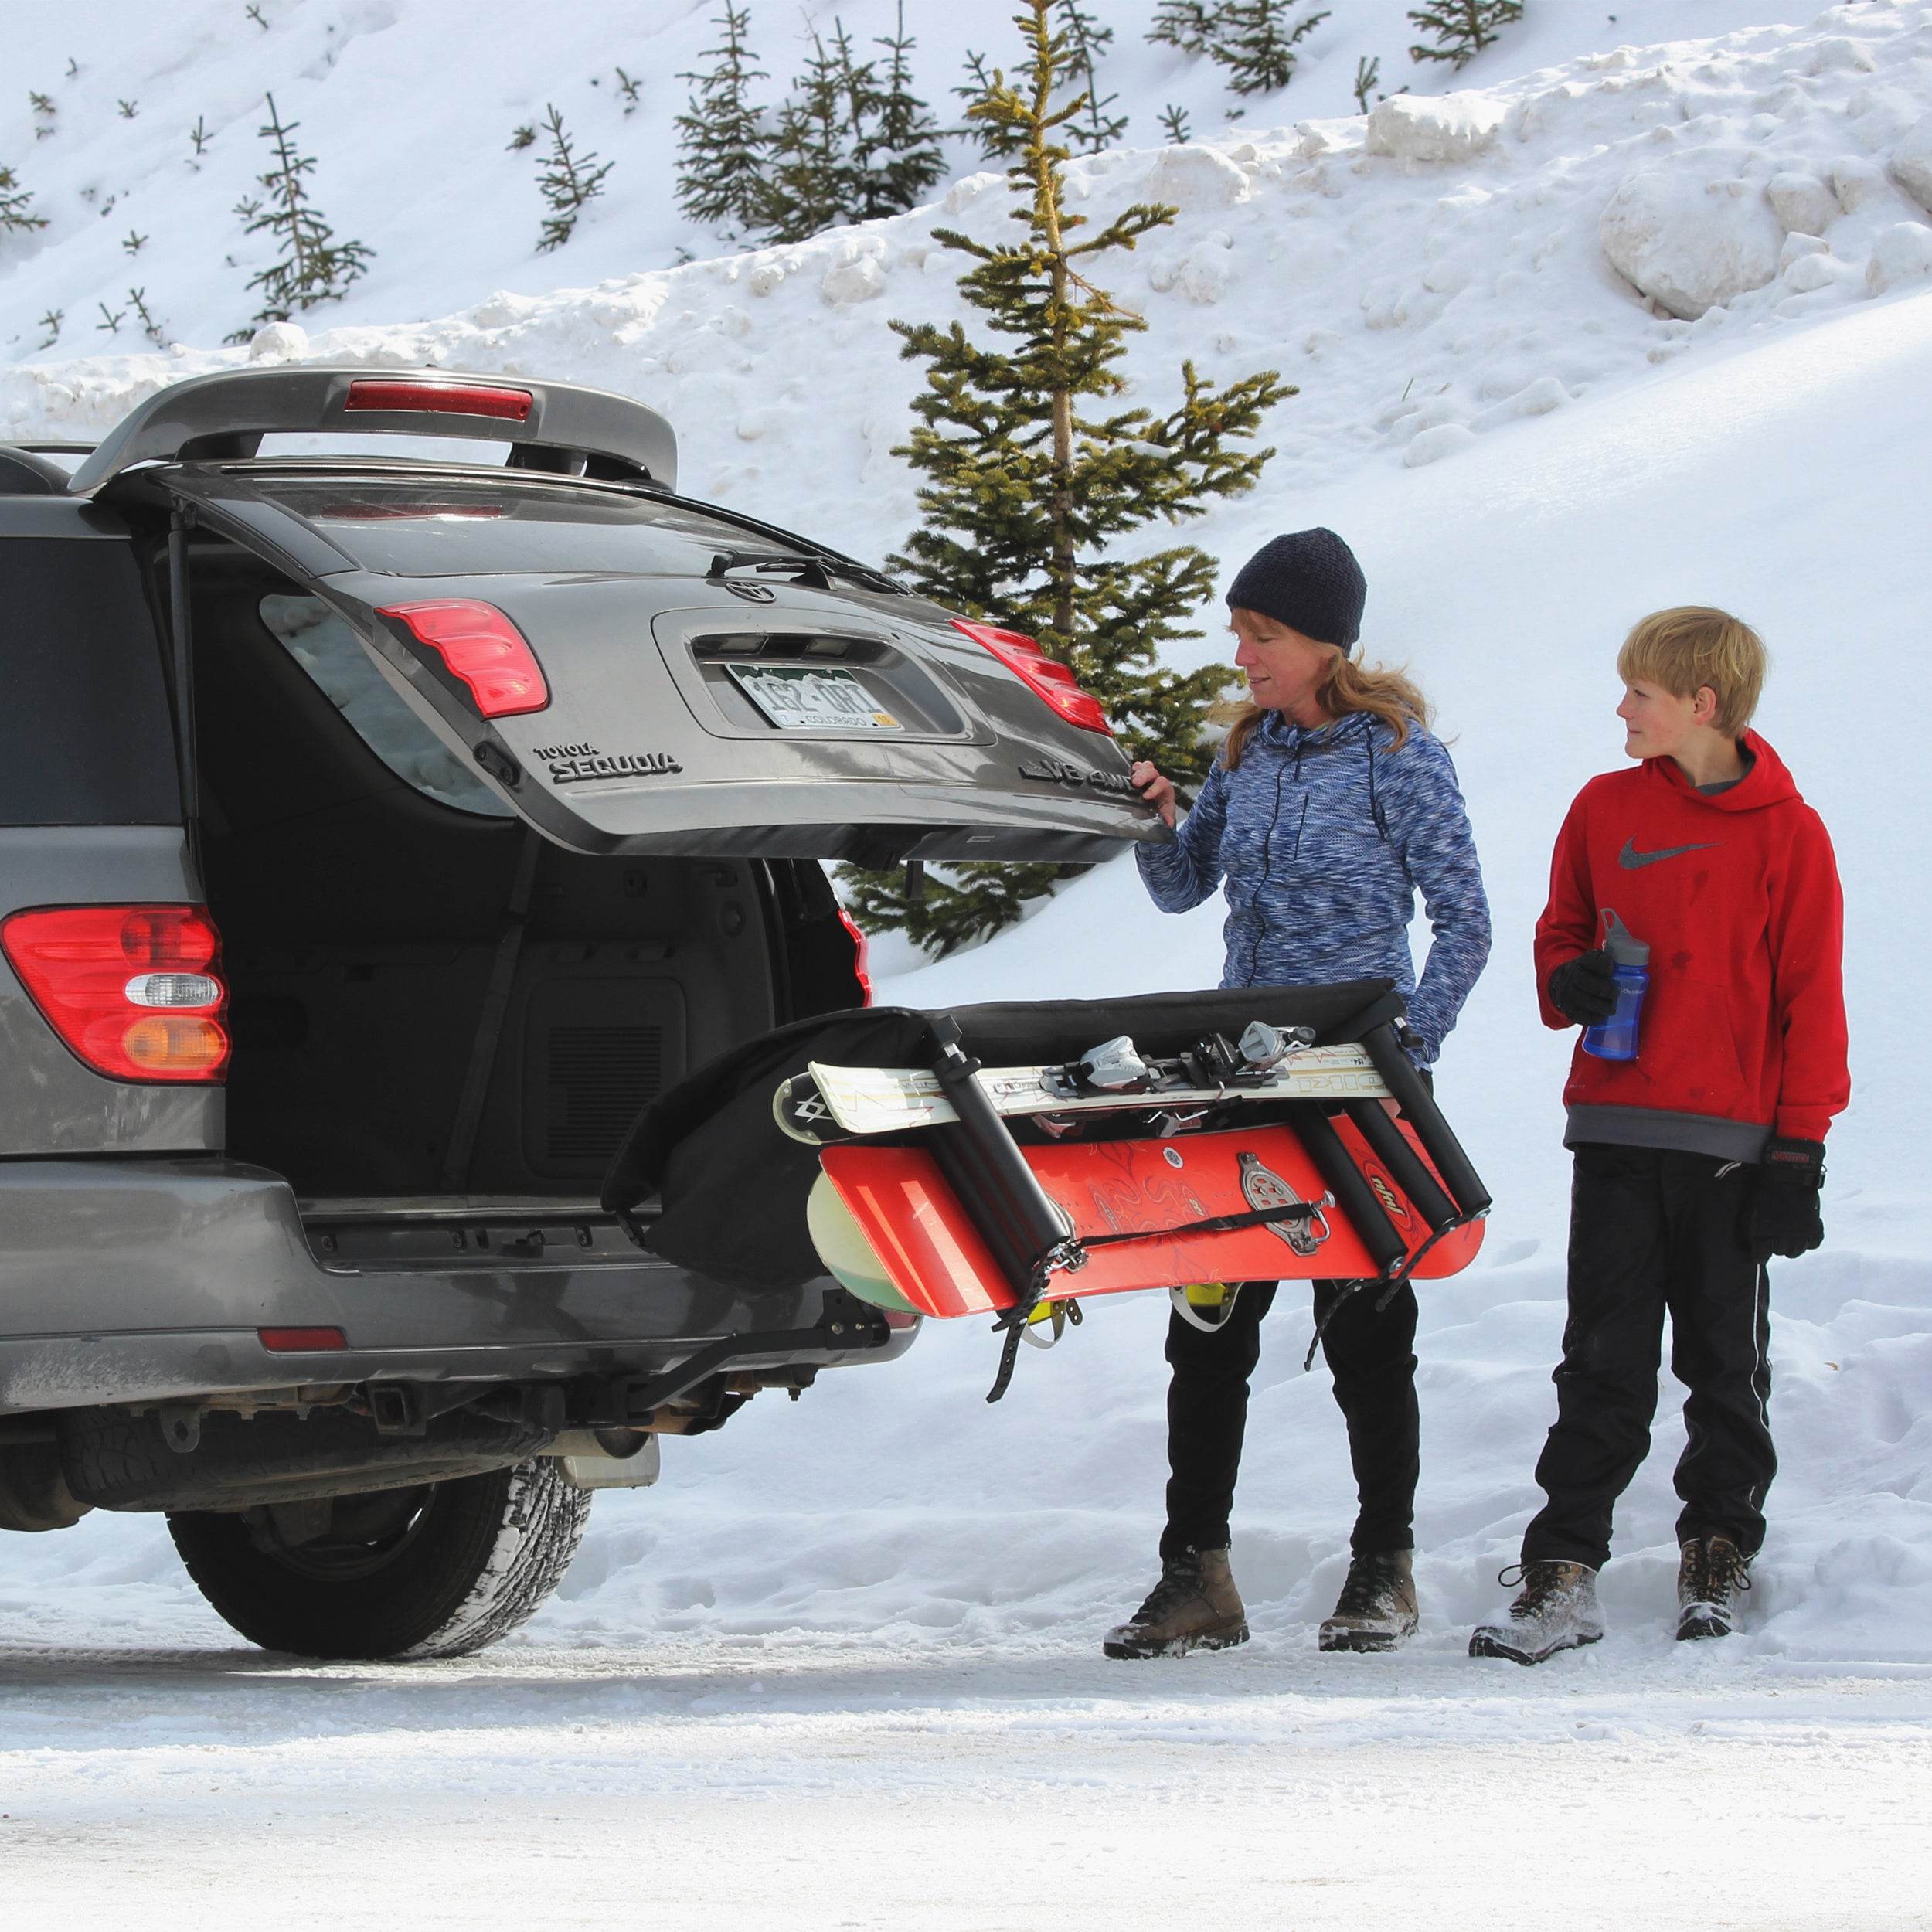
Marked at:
<point>377,836</point>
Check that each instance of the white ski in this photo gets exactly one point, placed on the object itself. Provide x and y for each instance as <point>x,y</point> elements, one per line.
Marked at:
<point>891,1100</point>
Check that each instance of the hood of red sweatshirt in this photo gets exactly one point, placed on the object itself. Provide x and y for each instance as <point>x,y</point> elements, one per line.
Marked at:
<point>1767,782</point>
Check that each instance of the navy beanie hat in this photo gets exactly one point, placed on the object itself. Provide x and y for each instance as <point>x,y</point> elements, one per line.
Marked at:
<point>1308,580</point>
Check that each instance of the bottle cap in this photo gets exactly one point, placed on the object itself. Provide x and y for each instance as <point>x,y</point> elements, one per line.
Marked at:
<point>1618,942</point>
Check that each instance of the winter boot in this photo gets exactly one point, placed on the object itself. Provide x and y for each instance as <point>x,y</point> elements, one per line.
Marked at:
<point>1194,1606</point>
<point>1376,1609</point>
<point>1710,1573</point>
<point>1555,1610</point>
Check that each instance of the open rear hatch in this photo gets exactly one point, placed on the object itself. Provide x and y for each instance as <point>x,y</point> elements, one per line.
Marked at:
<point>632,671</point>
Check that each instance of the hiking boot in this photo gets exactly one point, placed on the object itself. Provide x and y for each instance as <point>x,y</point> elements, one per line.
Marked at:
<point>1555,1610</point>
<point>1376,1609</point>
<point>1194,1606</point>
<point>1710,1573</point>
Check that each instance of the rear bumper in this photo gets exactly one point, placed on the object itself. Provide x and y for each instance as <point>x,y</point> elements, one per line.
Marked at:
<point>150,1282</point>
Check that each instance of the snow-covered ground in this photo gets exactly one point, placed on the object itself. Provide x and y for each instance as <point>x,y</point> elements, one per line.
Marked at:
<point>841,1666</point>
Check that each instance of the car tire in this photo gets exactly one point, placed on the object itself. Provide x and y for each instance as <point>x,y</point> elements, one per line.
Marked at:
<point>439,1570</point>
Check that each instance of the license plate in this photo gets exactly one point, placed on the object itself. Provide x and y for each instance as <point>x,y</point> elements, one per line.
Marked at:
<point>812,697</point>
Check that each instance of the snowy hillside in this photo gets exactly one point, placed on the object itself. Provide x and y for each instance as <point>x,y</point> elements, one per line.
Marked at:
<point>409,105</point>
<point>885,1602</point>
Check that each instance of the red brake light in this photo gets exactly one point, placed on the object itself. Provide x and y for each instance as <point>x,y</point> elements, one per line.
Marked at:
<point>1047,676</point>
<point>135,991</point>
<point>441,398</point>
<point>861,954</point>
<point>483,647</point>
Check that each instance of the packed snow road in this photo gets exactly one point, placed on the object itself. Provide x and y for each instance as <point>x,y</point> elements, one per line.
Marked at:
<point>805,1782</point>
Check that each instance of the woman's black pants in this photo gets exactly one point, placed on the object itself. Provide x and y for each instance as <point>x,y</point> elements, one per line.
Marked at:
<point>1372,1359</point>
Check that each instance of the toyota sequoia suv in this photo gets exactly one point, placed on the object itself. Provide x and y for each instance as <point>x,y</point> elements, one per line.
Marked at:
<point>379,835</point>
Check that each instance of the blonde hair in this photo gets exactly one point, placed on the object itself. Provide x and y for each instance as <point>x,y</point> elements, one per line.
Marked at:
<point>1393,696</point>
<point>1692,646</point>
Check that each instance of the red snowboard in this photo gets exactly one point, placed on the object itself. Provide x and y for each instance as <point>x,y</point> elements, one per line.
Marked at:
<point>933,1256</point>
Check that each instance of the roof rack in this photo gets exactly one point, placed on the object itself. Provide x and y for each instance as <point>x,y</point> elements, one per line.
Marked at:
<point>560,427</point>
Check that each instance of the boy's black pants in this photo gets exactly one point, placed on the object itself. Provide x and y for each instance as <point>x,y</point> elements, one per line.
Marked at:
<point>1373,1358</point>
<point>1651,1231</point>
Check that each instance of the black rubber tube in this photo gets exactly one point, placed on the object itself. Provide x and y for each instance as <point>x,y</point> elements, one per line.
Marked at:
<point>1419,1109</point>
<point>1390,1146</point>
<point>1353,1196</point>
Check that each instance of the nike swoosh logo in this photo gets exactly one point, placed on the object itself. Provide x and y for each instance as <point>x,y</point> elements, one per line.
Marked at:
<point>1631,859</point>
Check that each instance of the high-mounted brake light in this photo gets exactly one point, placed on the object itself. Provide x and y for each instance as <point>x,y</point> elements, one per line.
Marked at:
<point>860,956</point>
<point>1047,677</point>
<point>135,991</point>
<point>441,398</point>
<point>482,648</point>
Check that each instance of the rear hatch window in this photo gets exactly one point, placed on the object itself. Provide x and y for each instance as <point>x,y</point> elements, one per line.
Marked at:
<point>86,732</point>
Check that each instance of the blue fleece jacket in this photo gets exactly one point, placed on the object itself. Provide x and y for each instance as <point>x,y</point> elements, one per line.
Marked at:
<point>1323,837</point>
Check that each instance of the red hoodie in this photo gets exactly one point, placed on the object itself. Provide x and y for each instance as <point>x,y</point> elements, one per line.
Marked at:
<point>1736,894</point>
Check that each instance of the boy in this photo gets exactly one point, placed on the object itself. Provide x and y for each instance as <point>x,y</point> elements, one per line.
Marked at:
<point>1703,1156</point>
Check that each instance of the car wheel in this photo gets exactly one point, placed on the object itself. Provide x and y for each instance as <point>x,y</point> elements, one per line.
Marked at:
<point>438,1571</point>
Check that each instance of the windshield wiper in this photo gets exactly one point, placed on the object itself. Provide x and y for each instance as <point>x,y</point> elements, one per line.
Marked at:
<point>817,568</point>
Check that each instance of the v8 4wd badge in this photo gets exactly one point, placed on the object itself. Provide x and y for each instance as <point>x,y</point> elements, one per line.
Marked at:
<point>1053,771</point>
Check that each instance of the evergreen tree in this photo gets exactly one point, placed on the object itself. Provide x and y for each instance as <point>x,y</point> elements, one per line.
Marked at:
<point>312,266</point>
<point>1254,40</point>
<point>16,206</point>
<point>1094,129</point>
<point>570,182</point>
<point>721,138</point>
<point>1462,27</point>
<point>813,181</point>
<point>1032,477</point>
<point>900,157</point>
<point>1257,44</point>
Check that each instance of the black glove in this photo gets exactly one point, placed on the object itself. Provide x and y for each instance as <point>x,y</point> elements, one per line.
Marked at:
<point>1783,1217</point>
<point>1583,989</point>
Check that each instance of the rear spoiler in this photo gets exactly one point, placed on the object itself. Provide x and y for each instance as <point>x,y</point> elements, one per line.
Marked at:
<point>560,427</point>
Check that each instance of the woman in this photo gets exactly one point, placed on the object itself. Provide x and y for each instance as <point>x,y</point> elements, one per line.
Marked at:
<point>1329,806</point>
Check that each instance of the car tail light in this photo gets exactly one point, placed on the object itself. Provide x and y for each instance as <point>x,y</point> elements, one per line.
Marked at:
<point>482,648</point>
<point>301,1341</point>
<point>1047,676</point>
<point>441,398</point>
<point>135,991</point>
<point>860,956</point>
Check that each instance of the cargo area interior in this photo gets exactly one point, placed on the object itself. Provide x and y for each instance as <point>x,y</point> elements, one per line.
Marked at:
<point>390,931</point>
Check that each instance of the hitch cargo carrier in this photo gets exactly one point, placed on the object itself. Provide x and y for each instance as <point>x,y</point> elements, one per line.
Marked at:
<point>1011,1159</point>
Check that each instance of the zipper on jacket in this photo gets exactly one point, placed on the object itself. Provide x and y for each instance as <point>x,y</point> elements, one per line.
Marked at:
<point>1267,867</point>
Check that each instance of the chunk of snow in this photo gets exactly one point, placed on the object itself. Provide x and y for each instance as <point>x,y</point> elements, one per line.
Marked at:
<point>1690,240</point>
<point>1912,163</point>
<point>1902,255</point>
<point>1195,180</point>
<point>1432,445</point>
<point>1204,273</point>
<point>277,342</point>
<point>1802,203</point>
<point>1441,128</point>
<point>1841,56</point>
<point>1855,182</point>
<point>857,280</point>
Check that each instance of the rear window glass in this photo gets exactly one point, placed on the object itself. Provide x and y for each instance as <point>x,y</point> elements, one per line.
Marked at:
<point>330,651</point>
<point>431,529</point>
<point>86,737</point>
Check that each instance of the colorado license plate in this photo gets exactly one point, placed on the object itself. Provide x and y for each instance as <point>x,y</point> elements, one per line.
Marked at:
<point>812,697</point>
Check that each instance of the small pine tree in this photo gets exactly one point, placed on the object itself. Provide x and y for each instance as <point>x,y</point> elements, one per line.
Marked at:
<point>1174,120</point>
<point>1367,72</point>
<point>1462,27</point>
<point>1258,43</point>
<point>1094,129</point>
<point>570,182</point>
<point>16,206</point>
<point>722,141</point>
<point>1031,478</point>
<point>900,157</point>
<point>1254,40</point>
<point>813,179</point>
<point>313,266</point>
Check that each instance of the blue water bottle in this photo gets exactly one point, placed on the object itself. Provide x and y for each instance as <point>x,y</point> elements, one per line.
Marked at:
<point>1616,1038</point>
